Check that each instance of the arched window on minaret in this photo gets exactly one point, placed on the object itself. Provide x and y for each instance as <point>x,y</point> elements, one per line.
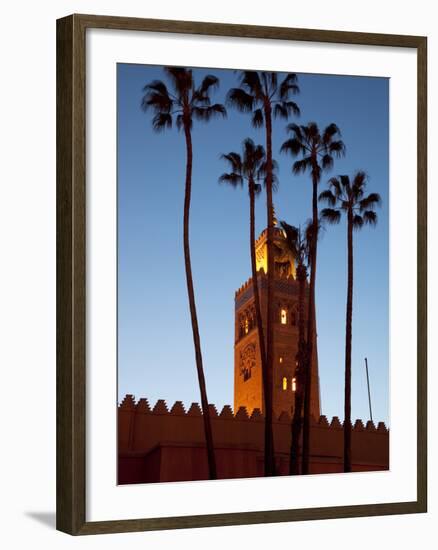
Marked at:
<point>284,383</point>
<point>294,384</point>
<point>283,316</point>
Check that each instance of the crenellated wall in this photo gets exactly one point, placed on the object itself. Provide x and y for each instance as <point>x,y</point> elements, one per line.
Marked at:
<point>167,444</point>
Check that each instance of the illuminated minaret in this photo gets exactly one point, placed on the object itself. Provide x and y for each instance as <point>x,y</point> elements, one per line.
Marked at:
<point>248,385</point>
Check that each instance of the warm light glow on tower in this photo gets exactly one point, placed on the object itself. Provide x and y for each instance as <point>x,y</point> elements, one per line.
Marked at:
<point>283,316</point>
<point>294,384</point>
<point>285,261</point>
<point>248,375</point>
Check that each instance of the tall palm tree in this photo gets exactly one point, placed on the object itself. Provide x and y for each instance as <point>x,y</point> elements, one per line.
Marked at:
<point>250,168</point>
<point>348,197</point>
<point>261,94</point>
<point>183,103</point>
<point>317,150</point>
<point>298,243</point>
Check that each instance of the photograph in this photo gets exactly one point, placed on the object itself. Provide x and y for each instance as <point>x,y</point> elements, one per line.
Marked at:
<point>215,286</point>
<point>252,273</point>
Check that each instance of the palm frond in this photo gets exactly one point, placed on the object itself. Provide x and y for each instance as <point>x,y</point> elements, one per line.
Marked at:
<point>360,178</point>
<point>254,159</point>
<point>345,183</point>
<point>156,86</point>
<point>296,131</point>
<point>272,83</point>
<point>327,162</point>
<point>358,222</point>
<point>234,160</point>
<point>329,132</point>
<point>328,197</point>
<point>293,146</point>
<point>257,189</point>
<point>358,186</point>
<point>280,111</point>
<point>300,166</point>
<point>292,108</point>
<point>370,217</point>
<point>371,201</point>
<point>289,86</point>
<point>331,215</point>
<point>337,148</point>
<point>156,97</point>
<point>161,121</point>
<point>240,100</point>
<point>275,183</point>
<point>263,168</point>
<point>336,187</point>
<point>309,234</point>
<point>209,82</point>
<point>312,131</point>
<point>249,146</point>
<point>284,109</point>
<point>259,154</point>
<point>232,178</point>
<point>251,81</point>
<point>257,118</point>
<point>181,78</point>
<point>179,121</point>
<point>292,236</point>
<point>206,113</point>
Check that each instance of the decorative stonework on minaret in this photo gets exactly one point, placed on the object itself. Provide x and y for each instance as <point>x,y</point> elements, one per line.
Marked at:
<point>248,386</point>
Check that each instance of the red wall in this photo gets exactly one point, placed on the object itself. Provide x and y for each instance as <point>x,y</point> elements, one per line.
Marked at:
<point>162,445</point>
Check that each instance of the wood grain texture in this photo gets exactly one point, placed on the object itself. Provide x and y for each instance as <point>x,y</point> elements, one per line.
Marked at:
<point>70,422</point>
<point>71,269</point>
<point>248,31</point>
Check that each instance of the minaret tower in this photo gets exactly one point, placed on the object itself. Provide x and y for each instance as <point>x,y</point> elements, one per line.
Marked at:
<point>248,385</point>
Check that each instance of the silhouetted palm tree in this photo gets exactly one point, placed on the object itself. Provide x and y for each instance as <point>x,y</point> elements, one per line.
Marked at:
<point>250,168</point>
<point>261,94</point>
<point>183,104</point>
<point>347,197</point>
<point>298,243</point>
<point>316,150</point>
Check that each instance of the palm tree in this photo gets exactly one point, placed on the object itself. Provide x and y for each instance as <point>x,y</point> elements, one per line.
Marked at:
<point>182,104</point>
<point>261,94</point>
<point>316,150</point>
<point>250,167</point>
<point>298,244</point>
<point>345,196</point>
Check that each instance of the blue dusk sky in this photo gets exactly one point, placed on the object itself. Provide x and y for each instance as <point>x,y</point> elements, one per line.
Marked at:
<point>155,346</point>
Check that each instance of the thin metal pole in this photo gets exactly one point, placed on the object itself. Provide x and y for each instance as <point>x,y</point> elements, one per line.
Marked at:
<point>368,384</point>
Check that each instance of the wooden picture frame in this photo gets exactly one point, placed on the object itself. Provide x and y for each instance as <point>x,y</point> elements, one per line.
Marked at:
<point>71,273</point>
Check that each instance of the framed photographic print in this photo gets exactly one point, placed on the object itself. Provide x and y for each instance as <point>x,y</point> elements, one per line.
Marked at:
<point>241,274</point>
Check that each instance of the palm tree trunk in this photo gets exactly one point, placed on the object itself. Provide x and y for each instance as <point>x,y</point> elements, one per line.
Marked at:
<point>193,314</point>
<point>269,436</point>
<point>348,338</point>
<point>310,328</point>
<point>260,330</point>
<point>294,466</point>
